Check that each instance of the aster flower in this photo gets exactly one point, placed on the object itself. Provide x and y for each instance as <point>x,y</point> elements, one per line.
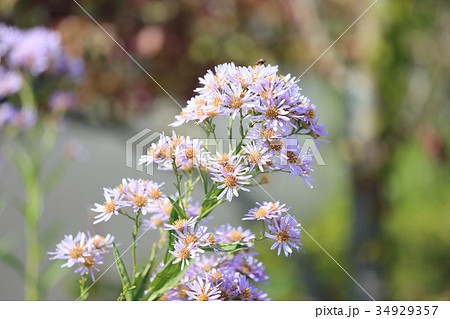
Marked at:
<point>7,113</point>
<point>62,101</point>
<point>189,153</point>
<point>229,234</point>
<point>38,50</point>
<point>248,266</point>
<point>73,249</point>
<point>89,264</point>
<point>183,253</point>
<point>190,236</point>
<point>156,221</point>
<point>202,290</point>
<point>10,82</point>
<point>274,114</point>
<point>257,155</point>
<point>265,211</point>
<point>111,207</point>
<point>99,244</point>
<point>180,224</point>
<point>137,195</point>
<point>231,179</point>
<point>246,291</point>
<point>236,99</point>
<point>285,230</point>
<point>297,163</point>
<point>262,134</point>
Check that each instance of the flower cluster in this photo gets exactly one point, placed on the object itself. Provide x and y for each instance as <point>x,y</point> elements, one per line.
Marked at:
<point>272,113</point>
<point>83,251</point>
<point>273,100</point>
<point>34,52</point>
<point>222,276</point>
<point>140,195</point>
<point>219,264</point>
<point>283,228</point>
<point>37,50</point>
<point>10,116</point>
<point>176,151</point>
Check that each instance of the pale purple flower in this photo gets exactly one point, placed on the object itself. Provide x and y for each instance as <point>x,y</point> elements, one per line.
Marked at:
<point>265,211</point>
<point>25,118</point>
<point>183,253</point>
<point>248,266</point>
<point>231,179</point>
<point>110,207</point>
<point>297,163</point>
<point>89,264</point>
<point>73,249</point>
<point>246,291</point>
<point>229,234</point>
<point>7,113</point>
<point>257,155</point>
<point>100,244</point>
<point>286,232</point>
<point>10,82</point>
<point>202,290</point>
<point>62,101</point>
<point>181,224</point>
<point>274,114</point>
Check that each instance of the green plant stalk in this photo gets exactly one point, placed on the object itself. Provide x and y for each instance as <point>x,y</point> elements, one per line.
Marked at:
<point>137,224</point>
<point>32,214</point>
<point>83,289</point>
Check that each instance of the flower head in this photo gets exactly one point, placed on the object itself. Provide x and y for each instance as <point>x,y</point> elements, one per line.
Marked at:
<point>202,290</point>
<point>285,231</point>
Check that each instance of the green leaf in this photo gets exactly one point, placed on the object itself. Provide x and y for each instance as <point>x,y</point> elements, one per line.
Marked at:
<point>144,278</point>
<point>12,261</point>
<point>167,278</point>
<point>123,274</point>
<point>173,216</point>
<point>176,207</point>
<point>51,276</point>
<point>54,176</point>
<point>227,247</point>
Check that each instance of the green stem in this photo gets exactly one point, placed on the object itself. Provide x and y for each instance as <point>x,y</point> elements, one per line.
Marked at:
<point>137,224</point>
<point>230,133</point>
<point>32,212</point>
<point>83,289</point>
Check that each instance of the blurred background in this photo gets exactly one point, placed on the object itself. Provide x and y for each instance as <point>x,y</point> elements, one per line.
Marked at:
<point>380,206</point>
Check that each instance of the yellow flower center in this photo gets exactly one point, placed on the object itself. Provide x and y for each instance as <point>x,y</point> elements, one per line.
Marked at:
<point>266,134</point>
<point>254,157</point>
<point>236,103</point>
<point>235,235</point>
<point>271,113</point>
<point>275,144</point>
<point>230,181</point>
<point>184,253</point>
<point>311,114</point>
<point>261,212</point>
<point>283,236</point>
<point>88,262</point>
<point>292,157</point>
<point>110,207</point>
<point>76,252</point>
<point>139,201</point>
<point>189,152</point>
<point>190,239</point>
<point>155,193</point>
<point>179,223</point>
<point>246,293</point>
